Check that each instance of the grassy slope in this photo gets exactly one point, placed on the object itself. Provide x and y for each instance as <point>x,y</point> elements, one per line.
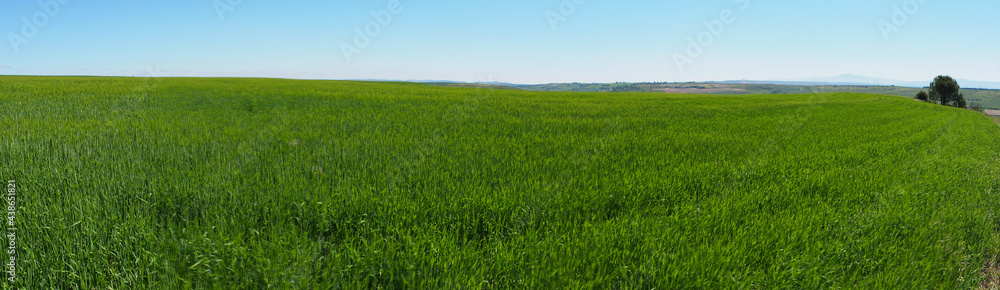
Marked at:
<point>244,183</point>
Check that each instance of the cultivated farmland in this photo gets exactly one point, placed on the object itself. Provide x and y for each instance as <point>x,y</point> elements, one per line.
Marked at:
<point>255,183</point>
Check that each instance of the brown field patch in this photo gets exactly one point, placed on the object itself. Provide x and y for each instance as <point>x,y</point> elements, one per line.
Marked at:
<point>991,274</point>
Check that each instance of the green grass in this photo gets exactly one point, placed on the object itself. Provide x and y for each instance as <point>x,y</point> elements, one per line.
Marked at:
<point>261,183</point>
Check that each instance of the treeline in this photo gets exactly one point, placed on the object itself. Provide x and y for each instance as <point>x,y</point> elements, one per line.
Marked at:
<point>944,90</point>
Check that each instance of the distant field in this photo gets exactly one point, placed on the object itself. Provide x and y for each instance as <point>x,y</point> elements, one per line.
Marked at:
<point>258,183</point>
<point>988,99</point>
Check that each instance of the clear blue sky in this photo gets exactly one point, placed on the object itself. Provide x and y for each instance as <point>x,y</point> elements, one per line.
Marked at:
<point>510,41</point>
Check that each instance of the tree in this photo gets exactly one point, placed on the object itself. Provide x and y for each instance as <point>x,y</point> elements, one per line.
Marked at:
<point>922,95</point>
<point>945,89</point>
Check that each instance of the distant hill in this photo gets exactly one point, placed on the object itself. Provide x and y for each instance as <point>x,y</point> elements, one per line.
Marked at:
<point>981,93</point>
<point>840,80</point>
<point>858,80</point>
<point>986,98</point>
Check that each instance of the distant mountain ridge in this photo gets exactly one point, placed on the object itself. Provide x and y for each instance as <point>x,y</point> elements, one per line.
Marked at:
<point>434,81</point>
<point>840,80</point>
<point>858,80</point>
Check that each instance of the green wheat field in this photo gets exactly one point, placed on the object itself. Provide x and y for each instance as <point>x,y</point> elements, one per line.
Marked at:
<point>178,183</point>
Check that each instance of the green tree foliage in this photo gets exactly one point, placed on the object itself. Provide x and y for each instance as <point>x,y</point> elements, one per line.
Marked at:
<point>922,95</point>
<point>626,88</point>
<point>945,90</point>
